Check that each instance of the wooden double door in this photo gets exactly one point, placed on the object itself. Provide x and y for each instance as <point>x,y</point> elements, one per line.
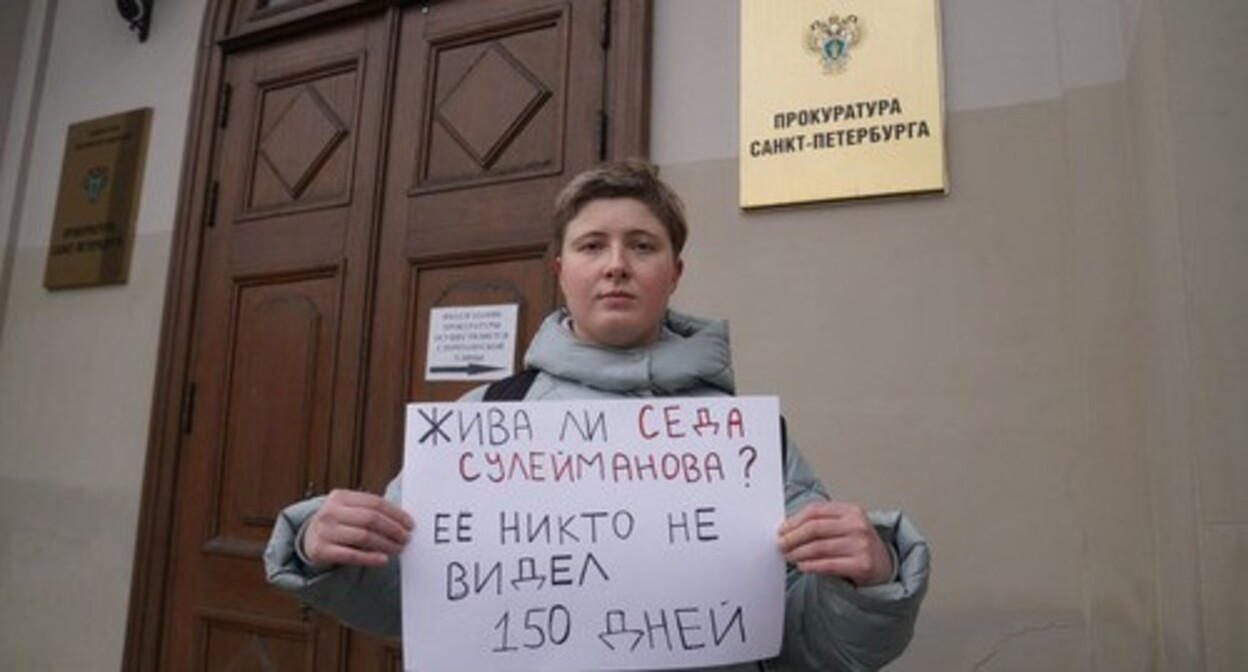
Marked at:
<point>354,166</point>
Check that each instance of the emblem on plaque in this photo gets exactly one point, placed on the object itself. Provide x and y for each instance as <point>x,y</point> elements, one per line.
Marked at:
<point>95,181</point>
<point>832,39</point>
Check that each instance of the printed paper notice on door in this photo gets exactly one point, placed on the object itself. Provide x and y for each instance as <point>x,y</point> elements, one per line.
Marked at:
<point>472,342</point>
<point>593,535</point>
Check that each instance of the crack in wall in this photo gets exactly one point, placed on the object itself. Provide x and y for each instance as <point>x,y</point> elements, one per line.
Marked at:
<point>1011,637</point>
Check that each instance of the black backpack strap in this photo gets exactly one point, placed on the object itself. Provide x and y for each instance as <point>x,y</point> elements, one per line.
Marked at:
<point>784,444</point>
<point>511,388</point>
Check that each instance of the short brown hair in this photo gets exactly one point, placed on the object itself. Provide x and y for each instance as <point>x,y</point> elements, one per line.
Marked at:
<point>626,178</point>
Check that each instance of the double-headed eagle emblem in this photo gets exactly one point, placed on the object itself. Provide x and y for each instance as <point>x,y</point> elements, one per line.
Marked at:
<point>94,182</point>
<point>831,39</point>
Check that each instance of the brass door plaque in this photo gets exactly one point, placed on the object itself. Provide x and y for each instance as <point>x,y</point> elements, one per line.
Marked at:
<point>97,201</point>
<point>840,99</point>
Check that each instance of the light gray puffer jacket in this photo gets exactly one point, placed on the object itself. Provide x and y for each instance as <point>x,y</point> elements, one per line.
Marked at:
<point>830,624</point>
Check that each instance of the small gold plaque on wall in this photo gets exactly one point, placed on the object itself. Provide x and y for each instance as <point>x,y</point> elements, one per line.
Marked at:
<point>840,99</point>
<point>97,201</point>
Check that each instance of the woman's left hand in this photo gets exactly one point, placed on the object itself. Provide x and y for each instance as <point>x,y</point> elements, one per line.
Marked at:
<point>836,538</point>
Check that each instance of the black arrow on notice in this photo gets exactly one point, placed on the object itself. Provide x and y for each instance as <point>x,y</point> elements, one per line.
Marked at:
<point>469,369</point>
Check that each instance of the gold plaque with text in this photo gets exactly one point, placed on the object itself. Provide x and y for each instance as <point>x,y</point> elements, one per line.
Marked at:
<point>840,99</point>
<point>97,201</point>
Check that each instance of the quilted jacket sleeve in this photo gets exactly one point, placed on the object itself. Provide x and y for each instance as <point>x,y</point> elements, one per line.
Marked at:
<point>364,598</point>
<point>831,624</point>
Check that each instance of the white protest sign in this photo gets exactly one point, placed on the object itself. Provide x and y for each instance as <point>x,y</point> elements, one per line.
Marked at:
<point>580,535</point>
<point>471,342</point>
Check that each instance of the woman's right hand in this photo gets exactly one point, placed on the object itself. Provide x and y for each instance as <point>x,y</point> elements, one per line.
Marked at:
<point>356,528</point>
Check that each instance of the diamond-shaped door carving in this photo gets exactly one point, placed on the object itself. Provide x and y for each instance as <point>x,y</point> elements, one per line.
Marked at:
<point>302,138</point>
<point>490,105</point>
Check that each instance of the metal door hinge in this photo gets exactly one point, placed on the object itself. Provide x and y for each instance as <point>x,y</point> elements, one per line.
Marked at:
<point>210,204</point>
<point>223,105</point>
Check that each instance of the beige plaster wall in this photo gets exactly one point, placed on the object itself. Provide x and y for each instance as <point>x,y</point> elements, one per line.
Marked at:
<point>77,367</point>
<point>1014,363</point>
<point>973,360</point>
<point>1195,101</point>
<point>12,23</point>
<point>1168,429</point>
<point>16,83</point>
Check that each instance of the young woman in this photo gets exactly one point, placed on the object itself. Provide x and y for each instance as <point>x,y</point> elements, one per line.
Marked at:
<point>855,579</point>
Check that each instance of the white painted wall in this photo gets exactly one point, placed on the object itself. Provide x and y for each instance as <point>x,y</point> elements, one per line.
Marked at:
<point>1047,368</point>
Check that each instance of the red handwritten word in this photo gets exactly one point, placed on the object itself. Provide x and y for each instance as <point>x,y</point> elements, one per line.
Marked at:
<point>672,420</point>
<point>544,467</point>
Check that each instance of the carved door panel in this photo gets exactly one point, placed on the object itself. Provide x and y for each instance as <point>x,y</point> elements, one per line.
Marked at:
<point>371,160</point>
<point>276,363</point>
<point>497,103</point>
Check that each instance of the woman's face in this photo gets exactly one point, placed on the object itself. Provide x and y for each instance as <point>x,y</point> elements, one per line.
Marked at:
<point>617,270</point>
